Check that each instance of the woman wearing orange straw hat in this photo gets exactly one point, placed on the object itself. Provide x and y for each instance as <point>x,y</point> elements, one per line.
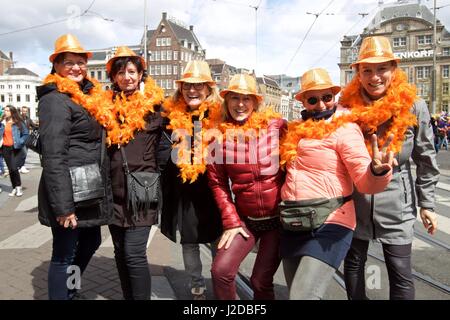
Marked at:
<point>133,128</point>
<point>72,150</point>
<point>326,156</point>
<point>384,103</point>
<point>256,180</point>
<point>188,203</point>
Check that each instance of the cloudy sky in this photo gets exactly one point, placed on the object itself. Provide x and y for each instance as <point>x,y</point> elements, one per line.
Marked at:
<point>225,28</point>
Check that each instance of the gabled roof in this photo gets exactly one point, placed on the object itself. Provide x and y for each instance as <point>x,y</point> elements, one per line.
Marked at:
<point>183,33</point>
<point>99,55</point>
<point>3,56</point>
<point>267,81</point>
<point>399,10</point>
<point>20,72</point>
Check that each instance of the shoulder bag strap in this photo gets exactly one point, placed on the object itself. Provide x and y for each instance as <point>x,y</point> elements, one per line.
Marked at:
<point>124,160</point>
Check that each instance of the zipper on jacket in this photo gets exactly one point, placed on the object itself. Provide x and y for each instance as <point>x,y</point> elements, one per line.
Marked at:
<point>404,188</point>
<point>372,200</point>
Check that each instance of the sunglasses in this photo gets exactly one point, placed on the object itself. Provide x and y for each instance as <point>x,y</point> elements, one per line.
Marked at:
<point>188,86</point>
<point>314,100</point>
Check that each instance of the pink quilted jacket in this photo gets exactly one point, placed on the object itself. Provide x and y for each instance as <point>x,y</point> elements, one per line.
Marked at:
<point>330,167</point>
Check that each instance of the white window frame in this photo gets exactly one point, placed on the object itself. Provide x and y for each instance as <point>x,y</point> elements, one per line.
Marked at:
<point>169,41</point>
<point>175,70</point>
<point>169,69</point>
<point>175,55</point>
<point>169,55</point>
<point>445,88</point>
<point>157,70</point>
<point>163,69</point>
<point>399,42</point>
<point>157,55</point>
<point>158,42</point>
<point>445,71</point>
<point>163,55</point>
<point>163,42</point>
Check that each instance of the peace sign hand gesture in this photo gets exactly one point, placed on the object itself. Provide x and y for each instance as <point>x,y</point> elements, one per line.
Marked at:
<point>382,161</point>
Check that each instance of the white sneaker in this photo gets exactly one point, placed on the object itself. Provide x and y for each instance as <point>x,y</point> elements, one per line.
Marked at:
<point>19,192</point>
<point>13,192</point>
<point>24,170</point>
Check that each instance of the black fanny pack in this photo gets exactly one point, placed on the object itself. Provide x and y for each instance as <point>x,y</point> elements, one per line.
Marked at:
<point>307,215</point>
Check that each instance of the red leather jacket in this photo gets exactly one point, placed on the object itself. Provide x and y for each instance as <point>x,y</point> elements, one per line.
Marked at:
<point>255,182</point>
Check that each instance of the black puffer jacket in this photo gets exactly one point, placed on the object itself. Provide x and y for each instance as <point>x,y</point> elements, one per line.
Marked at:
<point>69,137</point>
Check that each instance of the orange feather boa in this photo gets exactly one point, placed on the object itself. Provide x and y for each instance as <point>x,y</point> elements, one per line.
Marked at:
<point>193,163</point>
<point>122,117</point>
<point>395,105</point>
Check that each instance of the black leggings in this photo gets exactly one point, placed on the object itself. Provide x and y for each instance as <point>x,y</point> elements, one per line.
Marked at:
<point>11,155</point>
<point>398,264</point>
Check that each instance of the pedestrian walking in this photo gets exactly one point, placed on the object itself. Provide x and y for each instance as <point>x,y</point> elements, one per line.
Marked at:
<point>14,133</point>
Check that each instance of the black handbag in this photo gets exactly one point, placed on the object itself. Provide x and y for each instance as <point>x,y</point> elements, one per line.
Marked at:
<point>143,189</point>
<point>33,142</point>
<point>87,182</point>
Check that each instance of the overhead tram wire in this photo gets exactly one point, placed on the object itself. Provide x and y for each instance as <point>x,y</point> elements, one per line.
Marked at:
<point>48,23</point>
<point>306,35</point>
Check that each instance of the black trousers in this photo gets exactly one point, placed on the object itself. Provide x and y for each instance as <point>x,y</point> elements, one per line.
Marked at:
<point>130,251</point>
<point>398,264</point>
<point>11,155</point>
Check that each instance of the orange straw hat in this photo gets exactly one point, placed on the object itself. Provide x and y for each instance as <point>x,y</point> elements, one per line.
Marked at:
<point>244,84</point>
<point>197,71</point>
<point>68,43</point>
<point>316,79</point>
<point>375,49</point>
<point>123,51</point>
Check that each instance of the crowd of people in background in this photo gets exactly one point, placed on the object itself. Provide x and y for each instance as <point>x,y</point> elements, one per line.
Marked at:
<point>309,194</point>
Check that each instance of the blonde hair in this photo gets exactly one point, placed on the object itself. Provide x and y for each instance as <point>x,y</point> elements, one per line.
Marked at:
<point>212,97</point>
<point>225,114</point>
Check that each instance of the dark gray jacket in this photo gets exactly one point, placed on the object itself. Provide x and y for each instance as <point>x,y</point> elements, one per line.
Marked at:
<point>69,137</point>
<point>389,216</point>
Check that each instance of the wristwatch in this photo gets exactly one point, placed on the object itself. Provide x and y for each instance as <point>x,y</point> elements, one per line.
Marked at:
<point>429,209</point>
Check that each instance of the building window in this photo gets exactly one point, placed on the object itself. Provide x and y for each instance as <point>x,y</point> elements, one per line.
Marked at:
<point>426,39</point>
<point>163,42</point>
<point>18,98</point>
<point>445,105</point>
<point>175,55</point>
<point>169,69</point>
<point>163,70</point>
<point>27,98</point>
<point>163,55</point>
<point>348,76</point>
<point>18,86</point>
<point>400,42</point>
<point>152,57</point>
<point>158,42</point>
<point>27,86</point>
<point>181,55</point>
<point>423,72</point>
<point>445,88</point>
<point>99,75</point>
<point>157,55</point>
<point>152,70</point>
<point>175,70</point>
<point>2,98</point>
<point>169,41</point>
<point>446,51</point>
<point>445,71</point>
<point>158,70</point>
<point>423,89</point>
<point>10,87</point>
<point>2,86</point>
<point>169,54</point>
<point>92,74</point>
<point>10,98</point>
